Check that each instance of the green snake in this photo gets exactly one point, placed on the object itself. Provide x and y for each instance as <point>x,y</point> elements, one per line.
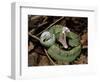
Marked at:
<point>61,43</point>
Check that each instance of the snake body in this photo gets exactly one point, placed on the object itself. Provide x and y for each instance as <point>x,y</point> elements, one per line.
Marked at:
<point>55,50</point>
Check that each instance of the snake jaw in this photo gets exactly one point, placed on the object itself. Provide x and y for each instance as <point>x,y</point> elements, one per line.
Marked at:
<point>62,40</point>
<point>62,37</point>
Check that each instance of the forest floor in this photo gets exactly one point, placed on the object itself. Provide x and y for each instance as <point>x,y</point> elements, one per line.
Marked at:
<point>36,24</point>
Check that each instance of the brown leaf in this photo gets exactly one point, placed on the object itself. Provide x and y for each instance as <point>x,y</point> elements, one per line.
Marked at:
<point>44,61</point>
<point>84,39</point>
<point>32,59</point>
<point>30,46</point>
<point>39,50</point>
<point>81,60</point>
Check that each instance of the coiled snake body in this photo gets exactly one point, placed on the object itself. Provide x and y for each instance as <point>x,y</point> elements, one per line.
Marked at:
<point>58,47</point>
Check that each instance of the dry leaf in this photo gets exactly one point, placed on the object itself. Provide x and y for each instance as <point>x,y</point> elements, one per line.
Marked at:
<point>84,39</point>
<point>32,59</point>
<point>31,46</point>
<point>44,61</point>
<point>81,60</point>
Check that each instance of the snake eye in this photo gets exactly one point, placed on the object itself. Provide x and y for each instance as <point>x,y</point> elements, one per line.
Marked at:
<point>47,39</point>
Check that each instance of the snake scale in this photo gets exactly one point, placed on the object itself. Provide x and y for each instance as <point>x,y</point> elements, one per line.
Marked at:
<point>58,47</point>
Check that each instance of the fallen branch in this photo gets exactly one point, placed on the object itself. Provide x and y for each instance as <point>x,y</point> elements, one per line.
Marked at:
<point>50,26</point>
<point>34,36</point>
<point>38,27</point>
<point>49,57</point>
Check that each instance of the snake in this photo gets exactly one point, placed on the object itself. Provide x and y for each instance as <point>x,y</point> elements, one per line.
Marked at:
<point>61,43</point>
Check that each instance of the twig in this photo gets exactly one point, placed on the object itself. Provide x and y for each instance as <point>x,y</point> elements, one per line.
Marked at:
<point>45,18</point>
<point>34,36</point>
<point>38,27</point>
<point>44,49</point>
<point>49,57</point>
<point>50,26</point>
<point>32,30</point>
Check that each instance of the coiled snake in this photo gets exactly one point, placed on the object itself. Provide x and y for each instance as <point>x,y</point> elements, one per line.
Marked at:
<point>61,43</point>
